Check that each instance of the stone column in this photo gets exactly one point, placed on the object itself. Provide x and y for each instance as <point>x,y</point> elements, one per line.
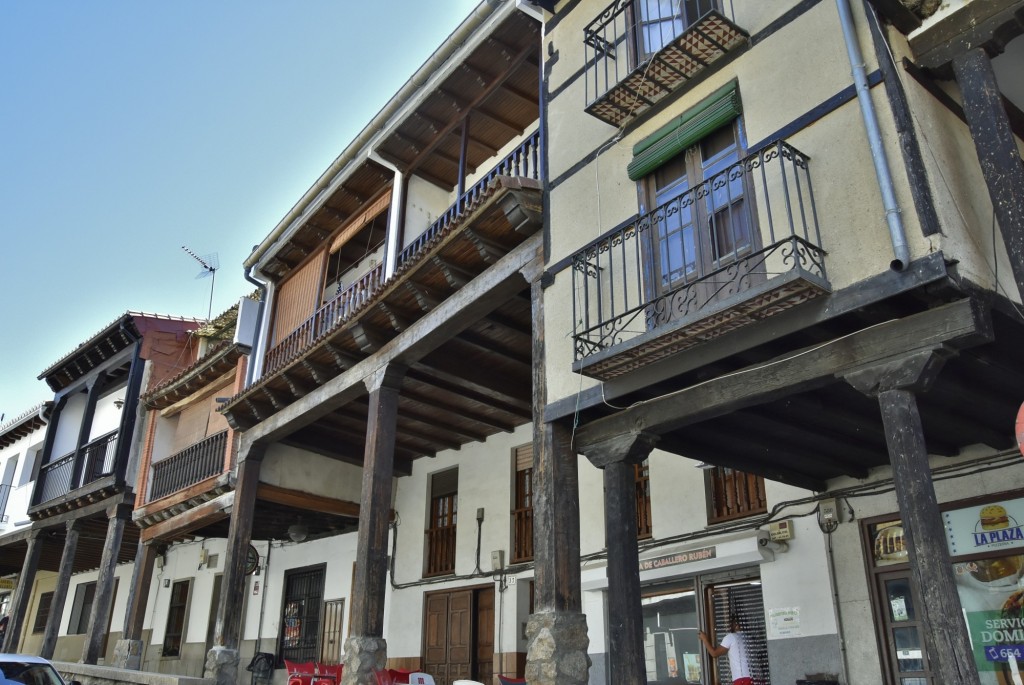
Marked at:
<point>616,457</point>
<point>128,650</point>
<point>366,649</point>
<point>222,659</point>
<point>556,632</point>
<point>895,384</point>
<point>60,593</point>
<point>19,606</point>
<point>99,619</point>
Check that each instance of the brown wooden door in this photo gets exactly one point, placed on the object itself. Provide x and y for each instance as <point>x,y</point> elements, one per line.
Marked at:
<point>453,648</point>
<point>484,671</point>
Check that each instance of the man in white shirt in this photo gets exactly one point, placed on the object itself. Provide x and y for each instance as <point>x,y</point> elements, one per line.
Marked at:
<point>733,645</point>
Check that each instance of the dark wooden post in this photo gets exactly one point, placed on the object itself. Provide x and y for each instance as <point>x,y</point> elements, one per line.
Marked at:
<point>19,606</point>
<point>366,650</point>
<point>60,593</point>
<point>616,456</point>
<point>222,660</point>
<point>128,650</point>
<point>463,153</point>
<point>96,386</point>
<point>997,151</point>
<point>895,385</point>
<point>126,429</point>
<point>45,455</point>
<point>99,619</point>
<point>558,619</point>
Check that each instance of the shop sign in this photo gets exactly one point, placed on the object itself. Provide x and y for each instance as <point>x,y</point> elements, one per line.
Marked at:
<point>1020,428</point>
<point>985,528</point>
<point>6,583</point>
<point>687,557</point>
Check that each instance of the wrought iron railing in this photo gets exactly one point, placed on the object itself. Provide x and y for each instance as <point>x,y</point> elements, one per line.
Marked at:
<point>523,162</point>
<point>324,319</point>
<point>98,459</point>
<point>191,465</point>
<point>752,222</point>
<point>627,32</point>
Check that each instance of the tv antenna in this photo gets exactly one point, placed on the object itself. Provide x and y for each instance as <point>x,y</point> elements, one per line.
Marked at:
<point>210,264</point>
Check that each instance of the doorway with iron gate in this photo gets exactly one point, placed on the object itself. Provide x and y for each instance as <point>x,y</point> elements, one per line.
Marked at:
<point>458,634</point>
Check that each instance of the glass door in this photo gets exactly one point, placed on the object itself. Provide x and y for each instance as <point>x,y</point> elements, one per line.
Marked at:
<point>902,629</point>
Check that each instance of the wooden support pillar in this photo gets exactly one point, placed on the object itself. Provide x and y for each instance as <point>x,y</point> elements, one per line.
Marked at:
<point>365,649</point>
<point>99,619</point>
<point>375,503</point>
<point>895,384</point>
<point>128,650</point>
<point>222,659</point>
<point>617,456</point>
<point>997,149</point>
<point>45,456</point>
<point>19,606</point>
<point>557,630</point>
<point>60,593</point>
<point>463,154</point>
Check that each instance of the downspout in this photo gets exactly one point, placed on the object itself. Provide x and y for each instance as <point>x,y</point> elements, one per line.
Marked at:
<point>250,367</point>
<point>897,233</point>
<point>396,216</point>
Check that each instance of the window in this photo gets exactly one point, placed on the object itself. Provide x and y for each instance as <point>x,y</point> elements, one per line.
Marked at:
<point>301,614</point>
<point>670,634</point>
<point>642,477</point>
<point>659,21</point>
<point>177,610</point>
<point>42,612</point>
<point>702,222</point>
<point>332,637</point>
<point>443,516</point>
<point>81,610</point>
<point>733,494</point>
<point>522,505</point>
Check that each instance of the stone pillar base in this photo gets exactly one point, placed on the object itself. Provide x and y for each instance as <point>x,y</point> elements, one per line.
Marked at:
<point>222,665</point>
<point>128,655</point>
<point>557,649</point>
<point>363,656</point>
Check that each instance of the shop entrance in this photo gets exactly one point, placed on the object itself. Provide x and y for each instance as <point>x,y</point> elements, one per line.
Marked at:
<point>675,612</point>
<point>458,634</point>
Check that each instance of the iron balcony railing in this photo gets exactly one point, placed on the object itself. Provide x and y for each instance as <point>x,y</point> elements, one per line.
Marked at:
<point>324,319</point>
<point>193,464</point>
<point>628,32</point>
<point>97,459</point>
<point>523,162</point>
<point>750,223</point>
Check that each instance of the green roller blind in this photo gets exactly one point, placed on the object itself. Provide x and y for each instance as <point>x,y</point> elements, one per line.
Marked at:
<point>720,108</point>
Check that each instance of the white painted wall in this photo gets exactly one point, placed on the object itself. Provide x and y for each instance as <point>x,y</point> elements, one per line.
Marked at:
<point>424,203</point>
<point>107,416</point>
<point>68,424</point>
<point>22,454</point>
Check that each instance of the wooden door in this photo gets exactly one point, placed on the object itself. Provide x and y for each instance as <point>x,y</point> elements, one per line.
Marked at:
<point>484,629</point>
<point>449,635</point>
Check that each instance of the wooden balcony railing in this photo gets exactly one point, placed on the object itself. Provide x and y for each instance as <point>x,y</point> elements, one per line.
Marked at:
<point>324,319</point>
<point>522,533</point>
<point>97,458</point>
<point>440,551</point>
<point>523,162</point>
<point>751,227</point>
<point>193,464</point>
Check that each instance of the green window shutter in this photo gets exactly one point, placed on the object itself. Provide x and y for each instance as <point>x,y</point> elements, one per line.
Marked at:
<point>719,109</point>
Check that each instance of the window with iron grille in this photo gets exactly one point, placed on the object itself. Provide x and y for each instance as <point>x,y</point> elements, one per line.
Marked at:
<point>42,612</point>
<point>301,614</point>
<point>522,505</point>
<point>176,613</point>
<point>444,490</point>
<point>733,494</point>
<point>642,476</point>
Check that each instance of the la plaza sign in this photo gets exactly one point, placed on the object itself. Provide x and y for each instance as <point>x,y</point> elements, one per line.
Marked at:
<point>1020,428</point>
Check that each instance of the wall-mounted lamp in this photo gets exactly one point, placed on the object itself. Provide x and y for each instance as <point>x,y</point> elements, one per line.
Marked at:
<point>298,532</point>
<point>119,402</point>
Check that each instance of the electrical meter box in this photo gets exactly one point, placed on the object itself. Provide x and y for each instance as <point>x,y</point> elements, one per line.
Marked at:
<point>780,530</point>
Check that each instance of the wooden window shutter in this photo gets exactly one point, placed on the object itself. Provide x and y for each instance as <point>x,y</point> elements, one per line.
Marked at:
<point>298,297</point>
<point>524,457</point>
<point>357,223</point>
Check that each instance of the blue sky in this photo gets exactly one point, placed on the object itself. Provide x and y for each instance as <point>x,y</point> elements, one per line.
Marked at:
<point>129,129</point>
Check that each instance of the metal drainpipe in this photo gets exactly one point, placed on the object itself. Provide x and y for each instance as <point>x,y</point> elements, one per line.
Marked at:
<point>395,215</point>
<point>897,233</point>
<point>250,367</point>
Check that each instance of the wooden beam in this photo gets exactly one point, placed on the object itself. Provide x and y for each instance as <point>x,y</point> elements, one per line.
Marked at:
<point>959,324</point>
<point>307,501</point>
<point>503,387</point>
<point>476,417</point>
<point>197,517</point>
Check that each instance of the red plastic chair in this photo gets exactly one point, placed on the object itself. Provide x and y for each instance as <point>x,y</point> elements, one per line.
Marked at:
<point>505,680</point>
<point>384,677</point>
<point>328,674</point>
<point>399,675</point>
<point>300,673</point>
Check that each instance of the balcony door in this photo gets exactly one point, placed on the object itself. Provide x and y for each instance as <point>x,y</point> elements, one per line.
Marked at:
<point>702,224</point>
<point>658,22</point>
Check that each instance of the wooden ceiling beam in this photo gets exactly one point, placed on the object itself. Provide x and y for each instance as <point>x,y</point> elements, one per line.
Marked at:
<point>485,399</point>
<point>513,390</point>
<point>490,347</point>
<point>476,417</point>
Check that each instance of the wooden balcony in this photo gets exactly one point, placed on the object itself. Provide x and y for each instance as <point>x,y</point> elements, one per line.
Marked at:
<point>95,462</point>
<point>194,464</point>
<point>522,533</point>
<point>639,297</point>
<point>440,551</point>
<point>632,62</point>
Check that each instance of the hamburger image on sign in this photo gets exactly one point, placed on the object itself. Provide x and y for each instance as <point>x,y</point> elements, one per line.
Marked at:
<point>995,527</point>
<point>993,517</point>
